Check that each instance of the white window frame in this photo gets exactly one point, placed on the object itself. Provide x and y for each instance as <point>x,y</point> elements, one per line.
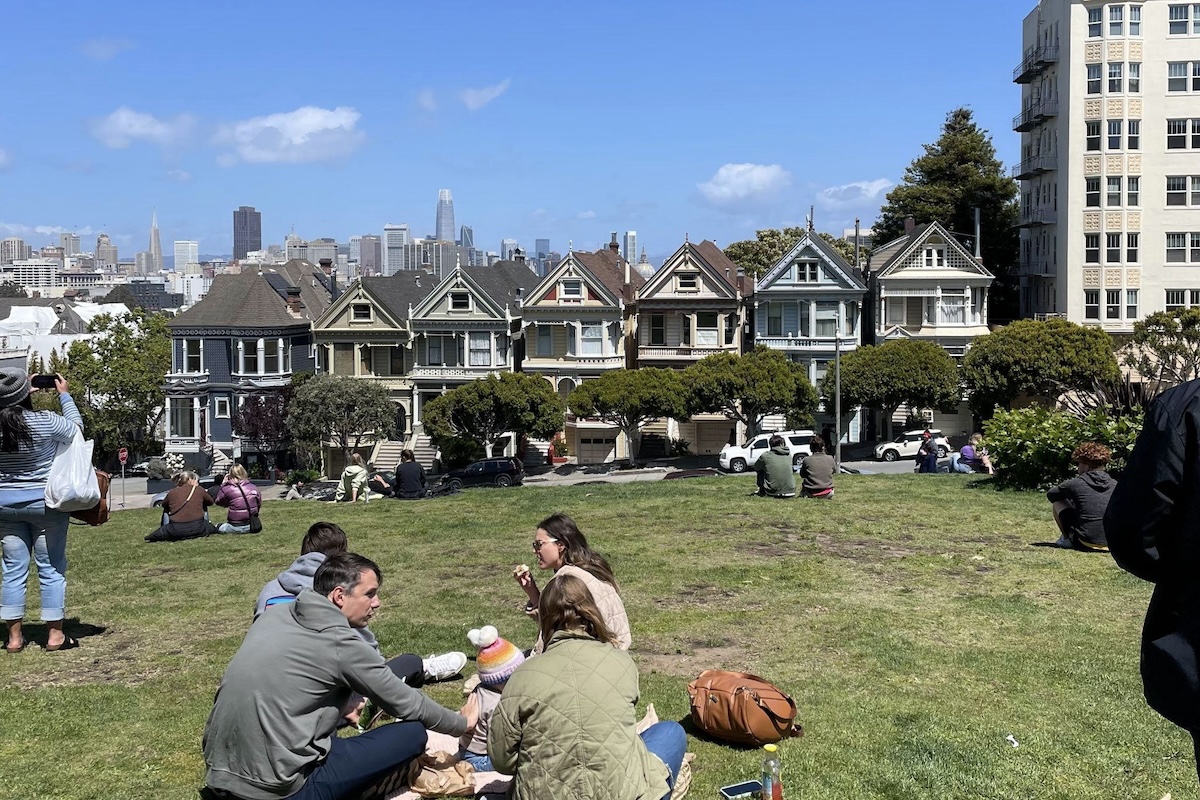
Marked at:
<point>807,272</point>
<point>1116,128</point>
<point>1176,248</point>
<point>460,301</point>
<point>687,281</point>
<point>187,357</point>
<point>221,408</point>
<point>570,290</point>
<point>176,405</point>
<point>1116,20</point>
<point>952,309</point>
<point>1116,77</point>
<point>545,341</point>
<point>479,349</point>
<point>1095,78</point>
<point>934,256</point>
<point>658,325</point>
<point>1133,134</point>
<point>1133,248</point>
<point>1131,304</point>
<point>255,346</point>
<point>1134,84</point>
<point>1177,76</point>
<point>1091,304</point>
<point>774,319</point>
<point>591,339</point>
<point>896,310</point>
<point>1112,191</point>
<point>1135,20</point>
<point>1095,22</point>
<point>355,308</point>
<point>1112,248</point>
<point>1182,298</point>
<point>708,335</point>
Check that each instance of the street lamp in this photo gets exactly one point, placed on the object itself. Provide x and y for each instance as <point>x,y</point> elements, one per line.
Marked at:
<point>837,393</point>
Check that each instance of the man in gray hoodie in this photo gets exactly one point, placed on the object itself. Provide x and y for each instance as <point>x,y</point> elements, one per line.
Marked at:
<point>774,468</point>
<point>272,730</point>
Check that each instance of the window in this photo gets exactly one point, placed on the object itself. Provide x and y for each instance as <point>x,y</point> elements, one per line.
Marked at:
<point>460,301</point>
<point>1131,303</point>
<point>1112,304</point>
<point>1175,299</point>
<point>1113,198</point>
<point>1096,22</point>
<point>1115,75</point>
<point>935,256</point>
<point>572,290</point>
<point>1177,134</point>
<point>1134,134</point>
<point>658,329</point>
<point>688,281</point>
<point>897,311</point>
<point>827,314</point>
<point>479,349</point>
<point>1176,248</point>
<point>1112,247</point>
<point>1095,73</point>
<point>1177,190</point>
<point>183,417</point>
<point>1177,76</point>
<point>545,340</point>
<point>952,309</point>
<point>1131,247</point>
<point>193,360</point>
<point>1091,248</point>
<point>1135,77</point>
<point>1196,133</point>
<point>1133,191</point>
<point>1195,247</point>
<point>271,356</point>
<point>1091,192</point>
<point>731,327</point>
<point>1114,134</point>
<point>433,350</point>
<point>1093,135</point>
<point>222,410</point>
<point>360,312</point>
<point>774,319</point>
<point>1178,19</point>
<point>250,356</point>
<point>707,333</point>
<point>1091,304</point>
<point>1135,22</point>
<point>592,339</point>
<point>1116,20</point>
<point>806,272</point>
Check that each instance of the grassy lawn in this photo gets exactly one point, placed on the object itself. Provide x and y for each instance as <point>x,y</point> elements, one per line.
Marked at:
<point>912,620</point>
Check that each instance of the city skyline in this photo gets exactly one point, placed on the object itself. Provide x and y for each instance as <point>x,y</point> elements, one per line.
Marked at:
<point>307,148</point>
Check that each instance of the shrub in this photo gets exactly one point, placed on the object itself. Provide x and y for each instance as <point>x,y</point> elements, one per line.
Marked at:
<point>1031,447</point>
<point>305,475</point>
<point>681,447</point>
<point>458,452</point>
<point>559,448</point>
<point>164,468</point>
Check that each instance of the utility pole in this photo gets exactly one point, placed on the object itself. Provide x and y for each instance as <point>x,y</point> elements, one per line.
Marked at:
<point>837,394</point>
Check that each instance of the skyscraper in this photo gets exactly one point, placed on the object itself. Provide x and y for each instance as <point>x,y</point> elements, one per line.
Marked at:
<point>247,231</point>
<point>156,259</point>
<point>186,252</point>
<point>13,249</point>
<point>444,230</point>
<point>354,253</point>
<point>106,252</point>
<point>370,258</point>
<point>69,242</point>
<point>629,251</point>
<point>466,240</point>
<point>395,237</point>
<point>507,246</point>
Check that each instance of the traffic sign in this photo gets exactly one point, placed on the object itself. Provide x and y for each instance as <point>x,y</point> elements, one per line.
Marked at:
<point>123,455</point>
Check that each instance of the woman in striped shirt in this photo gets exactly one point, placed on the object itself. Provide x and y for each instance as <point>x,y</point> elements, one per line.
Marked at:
<point>28,440</point>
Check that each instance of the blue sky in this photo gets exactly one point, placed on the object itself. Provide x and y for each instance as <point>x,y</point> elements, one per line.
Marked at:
<point>558,120</point>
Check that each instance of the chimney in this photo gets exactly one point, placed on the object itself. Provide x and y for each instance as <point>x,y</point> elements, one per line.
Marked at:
<point>616,248</point>
<point>978,230</point>
<point>327,267</point>
<point>294,303</point>
<point>626,272</point>
<point>909,224</point>
<point>519,255</point>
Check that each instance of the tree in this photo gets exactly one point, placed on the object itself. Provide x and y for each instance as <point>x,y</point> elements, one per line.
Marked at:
<point>1165,348</point>
<point>957,174</point>
<point>844,248</point>
<point>900,372</point>
<point>121,294</point>
<point>748,387</point>
<point>259,421</point>
<point>1042,359</point>
<point>629,398</point>
<point>10,289</point>
<point>484,410</point>
<point>348,412</point>
<point>759,254</point>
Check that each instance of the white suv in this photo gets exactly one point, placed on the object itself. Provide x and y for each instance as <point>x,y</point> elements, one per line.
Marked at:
<point>740,459</point>
<point>906,445</point>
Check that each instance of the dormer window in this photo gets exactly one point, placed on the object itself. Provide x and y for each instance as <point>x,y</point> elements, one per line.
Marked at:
<point>193,358</point>
<point>361,312</point>
<point>460,301</point>
<point>687,281</point>
<point>935,256</point>
<point>807,272</point>
<point>572,290</point>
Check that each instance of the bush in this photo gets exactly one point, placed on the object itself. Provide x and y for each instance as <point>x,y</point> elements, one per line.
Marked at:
<point>303,475</point>
<point>458,452</point>
<point>681,447</point>
<point>164,467</point>
<point>559,448</point>
<point>1031,447</point>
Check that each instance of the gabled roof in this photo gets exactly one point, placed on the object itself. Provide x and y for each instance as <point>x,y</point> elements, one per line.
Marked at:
<point>826,253</point>
<point>401,290</point>
<point>255,299</point>
<point>499,286</point>
<point>609,268</point>
<point>898,252</point>
<point>705,255</point>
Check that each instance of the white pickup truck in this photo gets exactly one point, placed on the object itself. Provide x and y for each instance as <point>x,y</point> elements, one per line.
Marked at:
<point>739,459</point>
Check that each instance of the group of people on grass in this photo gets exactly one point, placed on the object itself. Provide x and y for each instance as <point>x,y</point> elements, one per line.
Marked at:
<point>560,717</point>
<point>776,471</point>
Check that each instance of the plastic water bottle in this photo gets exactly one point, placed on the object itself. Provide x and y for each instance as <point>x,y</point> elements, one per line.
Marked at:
<point>772,784</point>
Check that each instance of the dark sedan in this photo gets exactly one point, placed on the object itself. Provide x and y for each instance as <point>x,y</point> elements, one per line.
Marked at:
<point>489,472</point>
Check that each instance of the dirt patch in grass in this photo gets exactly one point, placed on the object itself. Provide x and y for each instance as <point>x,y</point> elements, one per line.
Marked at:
<point>863,549</point>
<point>690,661</point>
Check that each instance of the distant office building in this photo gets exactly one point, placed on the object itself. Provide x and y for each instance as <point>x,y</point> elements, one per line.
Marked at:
<point>466,240</point>
<point>294,247</point>
<point>322,248</point>
<point>69,242</point>
<point>52,252</point>
<point>33,273</point>
<point>247,231</point>
<point>141,262</point>
<point>106,252</point>
<point>14,249</point>
<point>541,248</point>
<point>444,229</point>
<point>354,251</point>
<point>152,295</point>
<point>186,252</point>
<point>156,257</point>
<point>507,248</point>
<point>437,257</point>
<point>491,258</point>
<point>395,238</point>
<point>370,255</point>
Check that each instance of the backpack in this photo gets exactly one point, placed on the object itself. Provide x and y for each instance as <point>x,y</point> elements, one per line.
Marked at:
<point>742,708</point>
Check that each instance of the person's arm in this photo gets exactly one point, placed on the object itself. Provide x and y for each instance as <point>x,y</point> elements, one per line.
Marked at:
<point>504,733</point>
<point>366,673</point>
<point>421,473</point>
<point>205,499</point>
<point>224,496</point>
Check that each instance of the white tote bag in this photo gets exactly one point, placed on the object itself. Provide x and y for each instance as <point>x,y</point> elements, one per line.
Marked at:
<point>72,483</point>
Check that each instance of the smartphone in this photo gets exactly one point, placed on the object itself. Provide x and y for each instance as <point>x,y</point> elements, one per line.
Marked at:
<point>750,790</point>
<point>44,381</point>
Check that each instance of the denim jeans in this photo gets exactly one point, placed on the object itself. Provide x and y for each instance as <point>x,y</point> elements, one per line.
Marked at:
<point>229,527</point>
<point>31,528</point>
<point>356,763</point>
<point>481,763</point>
<point>667,742</point>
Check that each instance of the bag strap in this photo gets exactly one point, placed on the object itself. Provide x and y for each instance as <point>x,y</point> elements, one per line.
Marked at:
<point>185,502</point>
<point>247,502</point>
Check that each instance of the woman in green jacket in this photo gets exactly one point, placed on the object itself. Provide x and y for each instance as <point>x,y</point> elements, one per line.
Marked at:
<point>566,723</point>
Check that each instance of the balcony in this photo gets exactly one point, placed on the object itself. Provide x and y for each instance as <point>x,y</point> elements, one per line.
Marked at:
<point>681,353</point>
<point>1035,64</point>
<point>1038,216</point>
<point>1038,267</point>
<point>803,343</point>
<point>1035,115</point>
<point>452,372</point>
<point>1034,166</point>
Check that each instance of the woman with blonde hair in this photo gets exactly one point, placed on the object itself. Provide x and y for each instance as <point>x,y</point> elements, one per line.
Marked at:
<point>566,723</point>
<point>184,511</point>
<point>242,499</point>
<point>353,483</point>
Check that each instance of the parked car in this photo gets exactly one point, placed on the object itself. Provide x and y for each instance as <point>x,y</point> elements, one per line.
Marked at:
<point>488,472</point>
<point>736,458</point>
<point>142,468</point>
<point>906,445</point>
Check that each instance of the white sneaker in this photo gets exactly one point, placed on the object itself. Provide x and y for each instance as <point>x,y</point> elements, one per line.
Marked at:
<point>446,665</point>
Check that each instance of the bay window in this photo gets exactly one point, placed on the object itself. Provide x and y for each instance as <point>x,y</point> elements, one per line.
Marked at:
<point>952,309</point>
<point>182,417</point>
<point>707,332</point>
<point>591,337</point>
<point>479,347</point>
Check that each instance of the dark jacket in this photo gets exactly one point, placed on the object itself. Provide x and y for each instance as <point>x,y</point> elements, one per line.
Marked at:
<point>1088,495</point>
<point>1153,531</point>
<point>410,480</point>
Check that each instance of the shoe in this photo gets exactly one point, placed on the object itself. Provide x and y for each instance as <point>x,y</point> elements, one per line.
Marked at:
<point>1064,543</point>
<point>68,644</point>
<point>447,665</point>
<point>12,651</point>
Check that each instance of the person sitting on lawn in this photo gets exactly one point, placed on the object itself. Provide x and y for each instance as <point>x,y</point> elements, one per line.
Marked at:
<point>774,467</point>
<point>498,658</point>
<point>272,730</point>
<point>353,484</point>
<point>185,511</point>
<point>816,471</point>
<point>927,453</point>
<point>1079,503</point>
<point>409,483</point>
<point>242,499</point>
<point>323,541</point>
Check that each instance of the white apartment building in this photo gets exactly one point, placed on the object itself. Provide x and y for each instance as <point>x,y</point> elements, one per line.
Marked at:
<point>32,273</point>
<point>1110,160</point>
<point>186,252</point>
<point>395,239</point>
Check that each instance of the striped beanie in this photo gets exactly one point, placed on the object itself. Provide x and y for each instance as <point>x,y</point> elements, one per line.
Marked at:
<point>497,658</point>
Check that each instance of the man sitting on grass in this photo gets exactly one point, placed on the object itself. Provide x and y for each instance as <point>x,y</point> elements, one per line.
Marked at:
<point>774,468</point>
<point>816,471</point>
<point>1079,503</point>
<point>272,730</point>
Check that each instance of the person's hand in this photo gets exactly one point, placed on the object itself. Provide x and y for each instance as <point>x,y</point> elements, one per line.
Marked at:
<point>60,383</point>
<point>470,710</point>
<point>524,578</point>
<point>352,716</point>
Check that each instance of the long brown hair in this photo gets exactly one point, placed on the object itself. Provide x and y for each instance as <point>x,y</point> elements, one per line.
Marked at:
<point>576,552</point>
<point>567,605</point>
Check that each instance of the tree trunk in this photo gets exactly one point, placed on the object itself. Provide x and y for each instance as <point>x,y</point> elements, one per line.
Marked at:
<point>634,440</point>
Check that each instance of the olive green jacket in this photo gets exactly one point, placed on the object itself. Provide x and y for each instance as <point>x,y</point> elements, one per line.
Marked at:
<point>778,480</point>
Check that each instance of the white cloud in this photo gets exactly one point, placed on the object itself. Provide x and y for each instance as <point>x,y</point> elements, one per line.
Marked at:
<point>125,126</point>
<point>589,214</point>
<point>475,99</point>
<point>854,193</point>
<point>179,175</point>
<point>19,229</point>
<point>104,49</point>
<point>737,184</point>
<point>427,100</point>
<point>5,160</point>
<point>306,134</point>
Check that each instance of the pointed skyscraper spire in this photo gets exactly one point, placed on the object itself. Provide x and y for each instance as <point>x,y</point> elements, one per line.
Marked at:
<point>156,257</point>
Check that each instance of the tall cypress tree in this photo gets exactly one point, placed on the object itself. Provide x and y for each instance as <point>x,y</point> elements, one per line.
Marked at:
<point>957,174</point>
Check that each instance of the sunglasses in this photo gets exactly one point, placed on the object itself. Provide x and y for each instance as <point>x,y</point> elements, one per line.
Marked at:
<point>537,545</point>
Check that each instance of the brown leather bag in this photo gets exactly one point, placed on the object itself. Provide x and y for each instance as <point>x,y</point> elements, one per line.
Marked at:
<point>742,708</point>
<point>97,514</point>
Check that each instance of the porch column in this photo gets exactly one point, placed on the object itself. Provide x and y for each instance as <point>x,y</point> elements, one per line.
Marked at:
<point>721,330</point>
<point>841,320</point>
<point>983,307</point>
<point>495,350</point>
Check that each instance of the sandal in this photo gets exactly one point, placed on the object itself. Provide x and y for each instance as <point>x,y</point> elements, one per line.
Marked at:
<point>12,651</point>
<point>67,644</point>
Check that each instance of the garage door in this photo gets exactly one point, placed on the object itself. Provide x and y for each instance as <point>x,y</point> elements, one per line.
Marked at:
<point>711,437</point>
<point>597,449</point>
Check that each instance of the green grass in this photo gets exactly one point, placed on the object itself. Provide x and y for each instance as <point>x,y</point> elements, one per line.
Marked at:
<point>910,618</point>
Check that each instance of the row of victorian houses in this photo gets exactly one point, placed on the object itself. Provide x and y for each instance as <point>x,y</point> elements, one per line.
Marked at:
<point>419,336</point>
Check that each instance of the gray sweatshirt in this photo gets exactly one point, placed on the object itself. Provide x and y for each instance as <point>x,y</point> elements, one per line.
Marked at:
<point>281,697</point>
<point>293,580</point>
